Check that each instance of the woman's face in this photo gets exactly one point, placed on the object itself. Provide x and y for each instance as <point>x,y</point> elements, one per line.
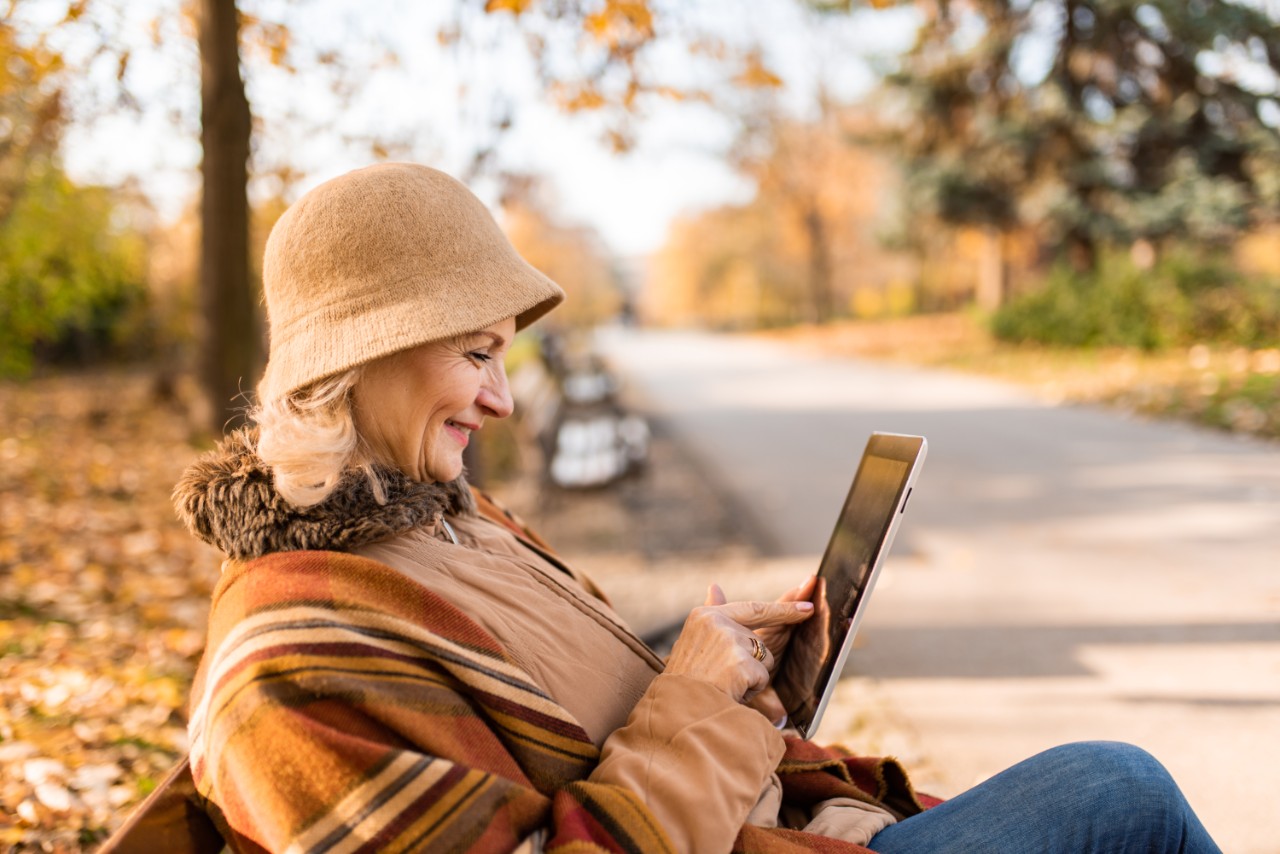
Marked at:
<point>418,408</point>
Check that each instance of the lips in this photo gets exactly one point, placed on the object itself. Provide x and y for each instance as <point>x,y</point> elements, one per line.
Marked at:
<point>461,431</point>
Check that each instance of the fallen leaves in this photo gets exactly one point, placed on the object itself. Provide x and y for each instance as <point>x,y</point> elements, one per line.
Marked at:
<point>103,604</point>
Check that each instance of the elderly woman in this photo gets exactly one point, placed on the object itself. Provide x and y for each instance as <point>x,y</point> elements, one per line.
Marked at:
<point>394,662</point>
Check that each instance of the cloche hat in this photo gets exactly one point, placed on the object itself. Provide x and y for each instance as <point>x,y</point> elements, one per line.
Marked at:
<point>383,259</point>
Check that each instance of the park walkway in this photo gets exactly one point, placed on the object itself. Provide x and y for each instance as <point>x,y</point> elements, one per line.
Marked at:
<point>1065,573</point>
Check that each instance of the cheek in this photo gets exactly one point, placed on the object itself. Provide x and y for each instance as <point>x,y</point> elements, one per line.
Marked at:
<point>414,405</point>
<point>397,414</point>
<point>458,390</point>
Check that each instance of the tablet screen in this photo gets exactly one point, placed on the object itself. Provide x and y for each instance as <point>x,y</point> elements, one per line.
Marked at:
<point>845,577</point>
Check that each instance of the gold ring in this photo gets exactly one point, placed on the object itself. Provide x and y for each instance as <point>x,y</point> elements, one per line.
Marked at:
<point>757,650</point>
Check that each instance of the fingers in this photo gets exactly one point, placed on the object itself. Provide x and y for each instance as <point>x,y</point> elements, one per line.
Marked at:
<point>755,671</point>
<point>768,704</point>
<point>760,651</point>
<point>718,644</point>
<point>715,649</point>
<point>802,592</point>
<point>756,615</point>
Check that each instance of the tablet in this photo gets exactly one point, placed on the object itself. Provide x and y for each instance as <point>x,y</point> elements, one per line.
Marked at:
<point>811,666</point>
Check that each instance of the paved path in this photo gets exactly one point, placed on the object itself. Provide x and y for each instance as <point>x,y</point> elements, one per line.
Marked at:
<point>1064,573</point>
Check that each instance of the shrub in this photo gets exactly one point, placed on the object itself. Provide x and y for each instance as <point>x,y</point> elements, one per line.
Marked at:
<point>72,282</point>
<point>1182,300</point>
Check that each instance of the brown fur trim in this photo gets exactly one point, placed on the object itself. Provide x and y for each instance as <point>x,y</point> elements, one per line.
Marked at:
<point>227,498</point>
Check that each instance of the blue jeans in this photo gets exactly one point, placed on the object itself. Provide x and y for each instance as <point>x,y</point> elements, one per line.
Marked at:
<point>1084,798</point>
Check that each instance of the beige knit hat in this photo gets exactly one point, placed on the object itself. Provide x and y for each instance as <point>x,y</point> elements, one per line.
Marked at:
<point>383,259</point>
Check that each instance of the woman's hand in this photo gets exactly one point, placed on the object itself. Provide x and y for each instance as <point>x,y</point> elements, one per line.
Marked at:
<point>777,637</point>
<point>716,644</point>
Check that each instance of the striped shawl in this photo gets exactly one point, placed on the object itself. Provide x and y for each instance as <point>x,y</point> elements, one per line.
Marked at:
<point>343,707</point>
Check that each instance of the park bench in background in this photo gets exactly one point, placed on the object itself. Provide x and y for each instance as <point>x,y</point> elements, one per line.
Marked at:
<point>170,820</point>
<point>569,402</point>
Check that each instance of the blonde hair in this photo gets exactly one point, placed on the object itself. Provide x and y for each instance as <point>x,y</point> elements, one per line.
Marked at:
<point>309,441</point>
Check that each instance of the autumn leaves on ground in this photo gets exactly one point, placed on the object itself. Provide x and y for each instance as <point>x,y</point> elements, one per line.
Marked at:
<point>103,602</point>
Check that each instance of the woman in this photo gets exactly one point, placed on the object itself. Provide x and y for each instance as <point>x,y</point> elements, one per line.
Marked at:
<point>396,663</point>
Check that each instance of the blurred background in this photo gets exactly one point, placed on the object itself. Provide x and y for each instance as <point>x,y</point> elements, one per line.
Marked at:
<point>1045,233</point>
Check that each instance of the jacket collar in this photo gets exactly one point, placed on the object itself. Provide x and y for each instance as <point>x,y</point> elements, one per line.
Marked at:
<point>227,498</point>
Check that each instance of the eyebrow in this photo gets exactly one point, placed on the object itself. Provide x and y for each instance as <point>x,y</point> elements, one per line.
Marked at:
<point>494,338</point>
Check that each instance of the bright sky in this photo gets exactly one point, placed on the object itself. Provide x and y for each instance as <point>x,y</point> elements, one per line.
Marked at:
<point>677,167</point>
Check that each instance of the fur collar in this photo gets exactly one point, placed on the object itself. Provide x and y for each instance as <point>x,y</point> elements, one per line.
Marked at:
<point>227,498</point>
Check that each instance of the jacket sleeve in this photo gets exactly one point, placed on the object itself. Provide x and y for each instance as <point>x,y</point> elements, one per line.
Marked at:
<point>695,758</point>
<point>316,732</point>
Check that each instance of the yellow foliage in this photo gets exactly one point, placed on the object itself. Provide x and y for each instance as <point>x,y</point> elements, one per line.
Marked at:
<point>620,140</point>
<point>1259,253</point>
<point>970,243</point>
<point>867,303</point>
<point>900,298</point>
<point>756,76</point>
<point>573,256</point>
<point>579,96</point>
<point>673,93</point>
<point>515,7</point>
<point>815,222</point>
<point>278,47</point>
<point>895,299</point>
<point>620,22</point>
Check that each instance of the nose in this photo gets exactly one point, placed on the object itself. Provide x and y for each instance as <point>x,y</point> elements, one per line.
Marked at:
<point>495,395</point>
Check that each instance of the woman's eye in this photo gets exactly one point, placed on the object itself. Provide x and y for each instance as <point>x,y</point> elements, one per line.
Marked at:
<point>480,356</point>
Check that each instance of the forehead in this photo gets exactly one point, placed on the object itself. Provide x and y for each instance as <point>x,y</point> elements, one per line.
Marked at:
<point>503,330</point>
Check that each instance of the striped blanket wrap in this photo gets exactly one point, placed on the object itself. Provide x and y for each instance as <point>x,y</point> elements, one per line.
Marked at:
<point>342,707</point>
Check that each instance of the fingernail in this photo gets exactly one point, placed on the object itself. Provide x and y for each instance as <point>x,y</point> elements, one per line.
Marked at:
<point>804,606</point>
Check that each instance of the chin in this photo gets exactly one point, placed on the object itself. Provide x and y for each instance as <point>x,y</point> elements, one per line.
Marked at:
<point>446,474</point>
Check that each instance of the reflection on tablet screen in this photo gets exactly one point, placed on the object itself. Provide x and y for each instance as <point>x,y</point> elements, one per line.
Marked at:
<point>842,580</point>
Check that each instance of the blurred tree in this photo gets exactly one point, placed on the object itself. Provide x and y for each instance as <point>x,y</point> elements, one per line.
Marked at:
<point>727,268</point>
<point>792,164</point>
<point>807,247</point>
<point>574,256</point>
<point>31,113</point>
<point>1092,121</point>
<point>71,271</point>
<point>71,277</point>
<point>831,189</point>
<point>587,57</point>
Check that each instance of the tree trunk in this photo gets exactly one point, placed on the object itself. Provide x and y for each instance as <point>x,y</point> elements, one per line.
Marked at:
<point>819,265</point>
<point>993,273</point>
<point>1082,252</point>
<point>230,340</point>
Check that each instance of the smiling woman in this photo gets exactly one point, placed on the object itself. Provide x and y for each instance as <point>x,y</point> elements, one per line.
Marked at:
<point>393,661</point>
<point>396,663</point>
<point>464,380</point>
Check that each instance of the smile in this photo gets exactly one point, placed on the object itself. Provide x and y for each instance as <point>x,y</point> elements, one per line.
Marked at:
<point>461,432</point>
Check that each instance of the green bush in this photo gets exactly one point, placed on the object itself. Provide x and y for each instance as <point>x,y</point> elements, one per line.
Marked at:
<point>72,281</point>
<point>1182,300</point>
